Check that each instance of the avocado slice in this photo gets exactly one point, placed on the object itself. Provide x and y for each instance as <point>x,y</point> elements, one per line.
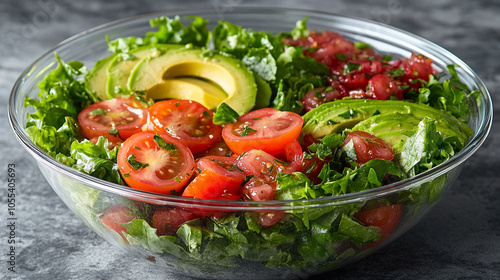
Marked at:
<point>206,93</point>
<point>96,79</point>
<point>122,64</point>
<point>230,74</point>
<point>264,92</point>
<point>391,127</point>
<point>334,116</point>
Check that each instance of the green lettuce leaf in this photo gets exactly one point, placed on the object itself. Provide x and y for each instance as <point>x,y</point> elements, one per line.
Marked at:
<point>426,149</point>
<point>449,95</point>
<point>96,159</point>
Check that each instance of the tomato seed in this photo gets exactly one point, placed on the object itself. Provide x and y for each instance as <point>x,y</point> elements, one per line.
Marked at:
<point>198,132</point>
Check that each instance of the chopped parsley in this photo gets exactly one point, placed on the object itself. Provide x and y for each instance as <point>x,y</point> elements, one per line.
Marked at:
<point>137,165</point>
<point>361,45</point>
<point>225,114</point>
<point>164,145</point>
<point>351,67</point>
<point>98,112</point>
<point>398,72</point>
<point>246,130</point>
<point>207,115</point>
<point>347,114</point>
<point>114,131</point>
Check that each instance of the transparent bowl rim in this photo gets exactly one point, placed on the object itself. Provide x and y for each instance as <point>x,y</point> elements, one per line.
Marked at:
<point>471,147</point>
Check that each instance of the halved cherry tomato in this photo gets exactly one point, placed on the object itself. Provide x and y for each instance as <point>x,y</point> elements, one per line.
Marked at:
<point>114,119</point>
<point>381,87</point>
<point>267,129</point>
<point>155,162</point>
<point>385,218</point>
<point>293,154</point>
<point>419,67</point>
<point>356,80</point>
<point>115,216</point>
<point>167,221</point>
<point>265,166</point>
<point>368,147</point>
<point>218,149</point>
<point>186,120</point>
<point>271,218</point>
<point>257,189</point>
<point>218,178</point>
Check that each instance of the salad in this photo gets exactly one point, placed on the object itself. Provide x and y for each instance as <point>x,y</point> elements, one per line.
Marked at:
<point>256,117</point>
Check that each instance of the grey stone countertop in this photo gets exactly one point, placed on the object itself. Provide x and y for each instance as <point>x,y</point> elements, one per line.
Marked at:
<point>458,239</point>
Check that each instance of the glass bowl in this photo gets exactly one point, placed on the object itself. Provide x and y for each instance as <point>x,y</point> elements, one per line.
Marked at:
<point>220,250</point>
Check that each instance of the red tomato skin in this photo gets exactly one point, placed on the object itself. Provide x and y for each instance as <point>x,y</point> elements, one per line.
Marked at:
<point>127,115</point>
<point>186,120</point>
<point>385,218</point>
<point>263,165</point>
<point>419,67</point>
<point>294,155</point>
<point>354,80</point>
<point>276,129</point>
<point>115,216</point>
<point>318,96</point>
<point>167,221</point>
<point>211,185</point>
<point>152,182</point>
<point>218,149</point>
<point>381,87</point>
<point>257,189</point>
<point>368,147</point>
<point>217,178</point>
<point>271,218</point>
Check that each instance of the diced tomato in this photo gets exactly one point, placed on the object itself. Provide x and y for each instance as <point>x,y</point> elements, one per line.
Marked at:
<point>167,221</point>
<point>116,119</point>
<point>155,162</point>
<point>267,129</point>
<point>115,216</point>
<point>354,80</point>
<point>419,67</point>
<point>371,67</point>
<point>312,167</point>
<point>318,96</point>
<point>385,218</point>
<point>381,87</point>
<point>368,147</point>
<point>218,178</point>
<point>186,120</point>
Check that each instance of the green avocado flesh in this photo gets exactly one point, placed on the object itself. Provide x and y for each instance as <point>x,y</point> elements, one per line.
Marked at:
<point>229,74</point>
<point>391,127</point>
<point>387,119</point>
<point>121,66</point>
<point>97,78</point>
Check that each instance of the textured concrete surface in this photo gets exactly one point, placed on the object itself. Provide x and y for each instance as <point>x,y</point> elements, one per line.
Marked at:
<point>459,239</point>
